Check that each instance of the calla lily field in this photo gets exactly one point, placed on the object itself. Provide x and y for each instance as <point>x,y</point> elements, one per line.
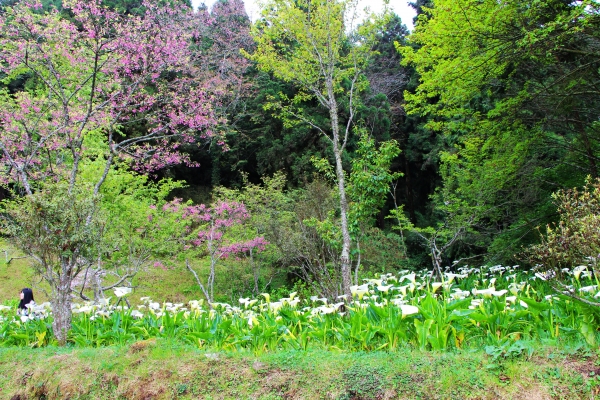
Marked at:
<point>499,308</point>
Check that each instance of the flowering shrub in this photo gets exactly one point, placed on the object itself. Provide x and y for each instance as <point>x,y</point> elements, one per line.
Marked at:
<point>571,242</point>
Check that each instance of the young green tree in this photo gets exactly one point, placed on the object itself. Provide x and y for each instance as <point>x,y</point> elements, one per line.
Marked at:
<point>131,237</point>
<point>368,185</point>
<point>512,86</point>
<point>60,227</point>
<point>317,45</point>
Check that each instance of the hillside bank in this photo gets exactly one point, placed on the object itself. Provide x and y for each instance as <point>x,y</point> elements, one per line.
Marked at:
<point>160,369</point>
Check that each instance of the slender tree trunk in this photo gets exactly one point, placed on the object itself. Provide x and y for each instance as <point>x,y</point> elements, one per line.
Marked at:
<point>588,148</point>
<point>338,149</point>
<point>61,309</point>
<point>98,292</point>
<point>437,263</point>
<point>339,171</point>
<point>211,278</point>
<point>255,272</point>
<point>208,300</point>
<point>357,267</point>
<point>438,252</point>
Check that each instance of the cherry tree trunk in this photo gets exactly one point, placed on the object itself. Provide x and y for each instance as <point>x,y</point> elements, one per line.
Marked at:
<point>61,309</point>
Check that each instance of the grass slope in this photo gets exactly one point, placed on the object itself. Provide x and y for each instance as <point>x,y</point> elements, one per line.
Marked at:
<point>173,283</point>
<point>15,275</point>
<point>170,370</point>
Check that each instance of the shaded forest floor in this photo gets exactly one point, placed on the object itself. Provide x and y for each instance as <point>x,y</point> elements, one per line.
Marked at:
<point>165,370</point>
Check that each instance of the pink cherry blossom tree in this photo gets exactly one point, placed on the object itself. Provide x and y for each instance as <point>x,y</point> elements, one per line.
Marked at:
<point>217,232</point>
<point>94,75</point>
<point>102,71</point>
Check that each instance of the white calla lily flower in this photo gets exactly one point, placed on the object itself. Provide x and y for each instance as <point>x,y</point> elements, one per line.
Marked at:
<point>523,304</point>
<point>359,291</point>
<point>475,303</point>
<point>485,292</point>
<point>578,270</point>
<point>408,310</point>
<point>122,291</point>
<point>275,306</point>
<point>398,302</point>
<point>384,289</point>
<point>410,277</point>
<point>402,289</point>
<point>104,302</point>
<point>435,286</point>
<point>459,294</point>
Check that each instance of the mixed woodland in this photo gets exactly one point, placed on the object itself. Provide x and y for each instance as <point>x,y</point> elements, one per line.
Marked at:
<point>316,145</point>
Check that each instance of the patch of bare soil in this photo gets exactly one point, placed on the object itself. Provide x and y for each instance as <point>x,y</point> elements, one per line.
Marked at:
<point>142,345</point>
<point>534,392</point>
<point>153,387</point>
<point>587,367</point>
<point>279,383</point>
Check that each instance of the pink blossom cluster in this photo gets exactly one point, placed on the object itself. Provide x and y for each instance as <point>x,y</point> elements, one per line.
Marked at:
<point>103,70</point>
<point>258,243</point>
<point>212,227</point>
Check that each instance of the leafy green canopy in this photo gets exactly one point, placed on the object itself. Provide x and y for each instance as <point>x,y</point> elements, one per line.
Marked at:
<point>514,86</point>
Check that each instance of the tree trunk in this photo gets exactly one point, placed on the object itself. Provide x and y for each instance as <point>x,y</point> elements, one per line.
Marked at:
<point>436,258</point>
<point>98,292</point>
<point>338,148</point>
<point>211,279</point>
<point>255,272</point>
<point>208,300</point>
<point>339,170</point>
<point>61,309</point>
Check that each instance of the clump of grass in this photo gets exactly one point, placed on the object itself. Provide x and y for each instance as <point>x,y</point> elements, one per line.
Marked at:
<point>363,382</point>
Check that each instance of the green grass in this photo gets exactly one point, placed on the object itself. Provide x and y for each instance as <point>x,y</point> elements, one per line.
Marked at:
<point>176,284</point>
<point>165,369</point>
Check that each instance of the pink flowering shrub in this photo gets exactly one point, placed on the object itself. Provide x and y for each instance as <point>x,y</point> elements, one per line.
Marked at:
<point>214,232</point>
